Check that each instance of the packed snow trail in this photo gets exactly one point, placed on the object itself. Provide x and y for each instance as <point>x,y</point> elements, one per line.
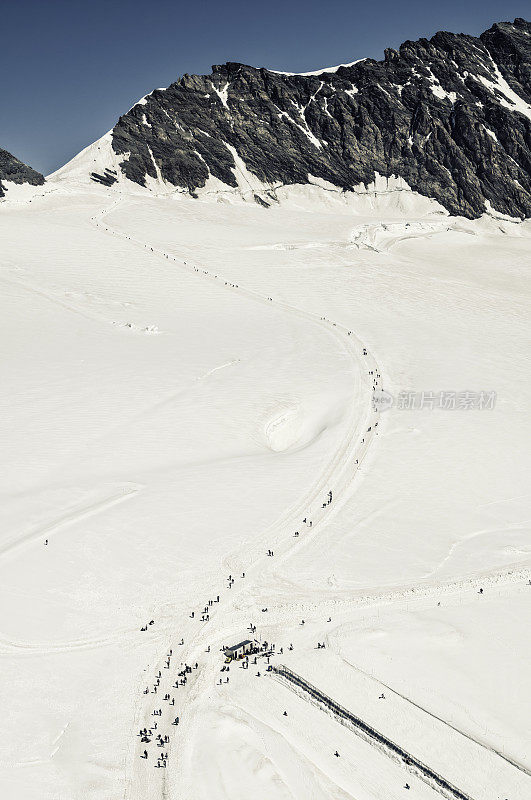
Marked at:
<point>337,477</point>
<point>286,587</point>
<point>358,438</point>
<point>340,472</point>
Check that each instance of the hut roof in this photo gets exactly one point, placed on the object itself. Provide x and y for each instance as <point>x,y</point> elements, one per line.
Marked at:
<point>240,644</point>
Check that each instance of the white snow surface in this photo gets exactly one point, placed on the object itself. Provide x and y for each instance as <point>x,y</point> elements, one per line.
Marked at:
<point>97,157</point>
<point>183,382</point>
<point>505,95</point>
<point>318,71</point>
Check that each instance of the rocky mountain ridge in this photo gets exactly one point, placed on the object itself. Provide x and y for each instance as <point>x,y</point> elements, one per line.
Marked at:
<point>450,115</point>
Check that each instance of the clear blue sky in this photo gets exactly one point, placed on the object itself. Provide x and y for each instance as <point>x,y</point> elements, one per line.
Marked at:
<point>69,69</point>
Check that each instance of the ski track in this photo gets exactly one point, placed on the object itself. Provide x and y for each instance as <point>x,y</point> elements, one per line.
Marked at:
<point>7,645</point>
<point>71,517</point>
<point>168,398</point>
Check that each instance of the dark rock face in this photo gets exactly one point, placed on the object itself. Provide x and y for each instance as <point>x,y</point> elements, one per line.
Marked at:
<point>107,179</point>
<point>450,115</point>
<point>11,169</point>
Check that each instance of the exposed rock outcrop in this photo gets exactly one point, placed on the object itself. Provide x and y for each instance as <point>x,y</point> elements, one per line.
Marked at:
<point>14,171</point>
<point>450,115</point>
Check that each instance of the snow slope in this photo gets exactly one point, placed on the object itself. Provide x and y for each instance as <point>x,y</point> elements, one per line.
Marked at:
<point>184,381</point>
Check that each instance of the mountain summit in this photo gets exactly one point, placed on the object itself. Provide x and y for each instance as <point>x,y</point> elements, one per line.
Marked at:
<point>450,115</point>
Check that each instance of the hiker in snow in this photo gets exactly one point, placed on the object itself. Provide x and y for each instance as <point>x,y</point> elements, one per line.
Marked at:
<point>46,541</point>
<point>336,754</point>
<point>285,713</point>
<point>406,786</point>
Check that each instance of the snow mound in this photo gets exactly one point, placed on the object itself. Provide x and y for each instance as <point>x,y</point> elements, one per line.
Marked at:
<point>284,429</point>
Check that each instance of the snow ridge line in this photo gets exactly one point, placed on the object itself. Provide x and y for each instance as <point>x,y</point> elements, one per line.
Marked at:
<point>346,718</point>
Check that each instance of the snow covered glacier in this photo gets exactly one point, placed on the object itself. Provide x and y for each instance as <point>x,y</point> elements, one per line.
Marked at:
<point>190,382</point>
